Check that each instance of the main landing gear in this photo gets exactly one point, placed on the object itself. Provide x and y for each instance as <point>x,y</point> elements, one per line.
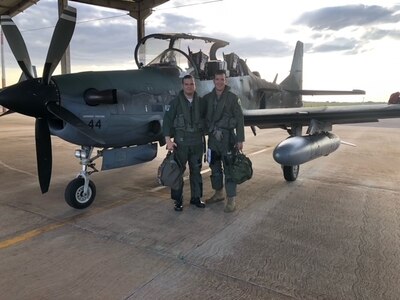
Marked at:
<point>290,173</point>
<point>81,191</point>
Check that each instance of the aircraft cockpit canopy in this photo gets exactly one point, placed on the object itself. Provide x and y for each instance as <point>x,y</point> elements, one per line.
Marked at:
<point>188,53</point>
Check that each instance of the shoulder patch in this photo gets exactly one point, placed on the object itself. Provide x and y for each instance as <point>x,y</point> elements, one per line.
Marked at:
<point>166,107</point>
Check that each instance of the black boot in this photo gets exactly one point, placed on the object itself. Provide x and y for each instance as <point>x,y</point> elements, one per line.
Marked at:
<point>197,201</point>
<point>178,205</point>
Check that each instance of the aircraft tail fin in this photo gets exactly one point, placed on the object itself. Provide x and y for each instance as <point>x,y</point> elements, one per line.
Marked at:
<point>294,81</point>
<point>276,77</point>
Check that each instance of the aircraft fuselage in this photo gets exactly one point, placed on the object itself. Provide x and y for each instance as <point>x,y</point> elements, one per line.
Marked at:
<point>135,116</point>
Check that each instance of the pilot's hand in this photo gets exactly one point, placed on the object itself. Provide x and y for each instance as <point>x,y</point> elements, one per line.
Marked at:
<point>218,134</point>
<point>239,146</point>
<point>171,145</point>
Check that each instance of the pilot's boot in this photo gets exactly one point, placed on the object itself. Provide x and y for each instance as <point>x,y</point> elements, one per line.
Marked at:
<point>217,197</point>
<point>178,205</point>
<point>230,205</point>
<point>197,201</point>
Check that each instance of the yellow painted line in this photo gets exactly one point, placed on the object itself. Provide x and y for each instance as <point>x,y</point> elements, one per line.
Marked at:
<point>29,235</point>
<point>38,231</point>
<point>260,151</point>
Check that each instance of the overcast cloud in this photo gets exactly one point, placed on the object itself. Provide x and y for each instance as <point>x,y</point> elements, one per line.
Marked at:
<point>106,38</point>
<point>111,34</point>
<point>336,18</point>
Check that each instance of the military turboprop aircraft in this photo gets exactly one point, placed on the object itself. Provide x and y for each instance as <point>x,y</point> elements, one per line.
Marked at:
<point>121,112</point>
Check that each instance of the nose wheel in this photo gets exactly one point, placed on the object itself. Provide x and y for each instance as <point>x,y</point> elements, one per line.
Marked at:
<point>81,191</point>
<point>76,196</point>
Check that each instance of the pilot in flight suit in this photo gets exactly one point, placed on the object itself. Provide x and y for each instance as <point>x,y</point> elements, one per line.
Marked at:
<point>226,136</point>
<point>183,128</point>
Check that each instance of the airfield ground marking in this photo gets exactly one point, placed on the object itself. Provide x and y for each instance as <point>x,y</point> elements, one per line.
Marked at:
<point>158,188</point>
<point>14,169</point>
<point>38,231</point>
<point>29,235</point>
<point>57,224</point>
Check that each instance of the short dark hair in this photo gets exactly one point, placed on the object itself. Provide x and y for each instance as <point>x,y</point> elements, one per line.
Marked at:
<point>187,76</point>
<point>220,72</point>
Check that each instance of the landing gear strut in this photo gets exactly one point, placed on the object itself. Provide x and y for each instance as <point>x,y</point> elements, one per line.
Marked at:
<point>81,191</point>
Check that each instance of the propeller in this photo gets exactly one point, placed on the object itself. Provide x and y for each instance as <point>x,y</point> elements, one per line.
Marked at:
<point>59,42</point>
<point>70,118</point>
<point>17,45</point>
<point>43,153</point>
<point>39,98</point>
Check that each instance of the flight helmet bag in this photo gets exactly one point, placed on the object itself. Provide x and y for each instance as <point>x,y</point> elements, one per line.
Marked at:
<point>170,172</point>
<point>242,169</point>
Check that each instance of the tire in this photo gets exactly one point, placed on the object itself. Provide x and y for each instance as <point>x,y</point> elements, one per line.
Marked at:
<point>290,173</point>
<point>74,194</point>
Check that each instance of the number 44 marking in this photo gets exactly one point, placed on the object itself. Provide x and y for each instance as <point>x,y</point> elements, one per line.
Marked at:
<point>92,124</point>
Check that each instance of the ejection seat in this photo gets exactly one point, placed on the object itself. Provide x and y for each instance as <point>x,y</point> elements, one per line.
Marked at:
<point>200,60</point>
<point>233,65</point>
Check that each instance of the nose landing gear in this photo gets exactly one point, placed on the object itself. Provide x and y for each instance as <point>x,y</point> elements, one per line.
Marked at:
<point>81,191</point>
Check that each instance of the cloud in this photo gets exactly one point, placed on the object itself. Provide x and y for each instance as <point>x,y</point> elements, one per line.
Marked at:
<point>348,45</point>
<point>336,18</point>
<point>377,34</point>
<point>244,47</point>
<point>175,23</point>
<point>333,26</point>
<point>251,47</point>
<point>110,34</point>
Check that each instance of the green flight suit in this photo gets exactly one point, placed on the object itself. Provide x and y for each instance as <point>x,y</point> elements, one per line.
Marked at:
<point>184,121</point>
<point>224,114</point>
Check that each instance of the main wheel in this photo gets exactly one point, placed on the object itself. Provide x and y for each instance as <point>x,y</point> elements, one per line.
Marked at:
<point>290,172</point>
<point>75,196</point>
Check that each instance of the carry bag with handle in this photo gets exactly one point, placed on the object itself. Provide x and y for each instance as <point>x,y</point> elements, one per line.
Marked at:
<point>242,169</point>
<point>170,172</point>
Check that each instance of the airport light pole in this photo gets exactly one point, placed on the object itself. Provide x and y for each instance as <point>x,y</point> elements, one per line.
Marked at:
<point>3,70</point>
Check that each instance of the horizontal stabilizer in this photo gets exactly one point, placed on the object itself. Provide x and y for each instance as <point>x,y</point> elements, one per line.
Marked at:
<point>324,93</point>
<point>270,89</point>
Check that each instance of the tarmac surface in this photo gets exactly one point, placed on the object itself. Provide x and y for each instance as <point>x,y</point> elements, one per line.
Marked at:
<point>332,234</point>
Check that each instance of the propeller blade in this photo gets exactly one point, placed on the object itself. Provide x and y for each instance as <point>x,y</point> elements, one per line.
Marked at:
<point>17,45</point>
<point>43,153</point>
<point>68,117</point>
<point>59,42</point>
<point>253,129</point>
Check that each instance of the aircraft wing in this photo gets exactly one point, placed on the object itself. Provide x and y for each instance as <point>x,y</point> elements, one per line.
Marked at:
<point>287,117</point>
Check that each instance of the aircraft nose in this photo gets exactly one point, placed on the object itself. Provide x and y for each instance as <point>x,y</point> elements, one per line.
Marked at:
<point>27,97</point>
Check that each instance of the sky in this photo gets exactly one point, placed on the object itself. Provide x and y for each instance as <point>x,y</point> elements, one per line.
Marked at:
<point>347,44</point>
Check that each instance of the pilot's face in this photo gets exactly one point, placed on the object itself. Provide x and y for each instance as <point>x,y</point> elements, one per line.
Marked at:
<point>189,87</point>
<point>220,82</point>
